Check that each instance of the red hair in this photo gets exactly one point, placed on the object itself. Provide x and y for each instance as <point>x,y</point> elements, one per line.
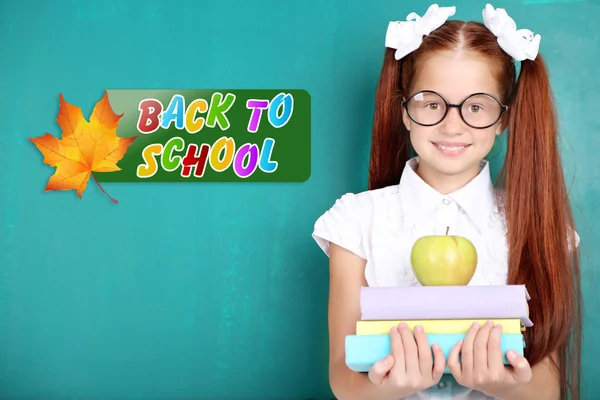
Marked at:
<point>542,253</point>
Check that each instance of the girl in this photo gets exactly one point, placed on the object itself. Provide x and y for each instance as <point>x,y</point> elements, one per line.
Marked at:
<point>447,89</point>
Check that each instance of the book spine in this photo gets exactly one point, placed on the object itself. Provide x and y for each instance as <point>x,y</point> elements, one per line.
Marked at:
<point>435,326</point>
<point>444,302</point>
<point>362,351</point>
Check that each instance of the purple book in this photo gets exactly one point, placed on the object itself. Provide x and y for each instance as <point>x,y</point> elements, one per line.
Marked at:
<point>445,302</point>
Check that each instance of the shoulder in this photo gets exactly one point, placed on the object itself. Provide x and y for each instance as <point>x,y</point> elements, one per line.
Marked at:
<point>358,207</point>
<point>349,219</point>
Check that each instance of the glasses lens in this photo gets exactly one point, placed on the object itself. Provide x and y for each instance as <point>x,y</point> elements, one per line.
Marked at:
<point>481,110</point>
<point>426,108</point>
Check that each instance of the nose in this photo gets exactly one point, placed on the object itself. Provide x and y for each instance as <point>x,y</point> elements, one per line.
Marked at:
<point>453,123</point>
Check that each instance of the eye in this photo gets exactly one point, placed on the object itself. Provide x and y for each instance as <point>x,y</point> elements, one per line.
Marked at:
<point>475,108</point>
<point>432,106</point>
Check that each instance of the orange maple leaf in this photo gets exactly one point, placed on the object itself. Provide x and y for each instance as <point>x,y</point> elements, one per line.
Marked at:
<point>85,147</point>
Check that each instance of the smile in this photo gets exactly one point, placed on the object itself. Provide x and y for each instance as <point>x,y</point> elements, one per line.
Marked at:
<point>451,149</point>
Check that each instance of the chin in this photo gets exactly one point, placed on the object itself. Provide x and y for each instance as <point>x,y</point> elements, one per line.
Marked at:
<point>453,165</point>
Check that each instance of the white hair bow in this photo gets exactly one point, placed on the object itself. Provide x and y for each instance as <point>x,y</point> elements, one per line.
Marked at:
<point>520,44</point>
<point>407,36</point>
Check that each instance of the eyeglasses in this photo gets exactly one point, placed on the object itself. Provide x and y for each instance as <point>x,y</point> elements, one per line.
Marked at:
<point>479,110</point>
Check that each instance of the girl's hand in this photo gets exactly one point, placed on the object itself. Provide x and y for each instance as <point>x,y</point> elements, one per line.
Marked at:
<point>482,365</point>
<point>410,367</point>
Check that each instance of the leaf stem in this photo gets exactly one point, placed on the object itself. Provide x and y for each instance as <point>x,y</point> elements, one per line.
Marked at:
<point>104,191</point>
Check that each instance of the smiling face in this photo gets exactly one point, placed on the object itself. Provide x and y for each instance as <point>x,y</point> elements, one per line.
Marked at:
<point>452,148</point>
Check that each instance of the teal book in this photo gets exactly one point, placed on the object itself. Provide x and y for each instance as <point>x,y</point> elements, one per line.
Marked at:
<point>362,351</point>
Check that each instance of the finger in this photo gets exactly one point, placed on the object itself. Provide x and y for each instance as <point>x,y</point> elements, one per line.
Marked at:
<point>454,364</point>
<point>397,351</point>
<point>521,368</point>
<point>494,349</point>
<point>480,346</point>
<point>439,363</point>
<point>411,355</point>
<point>467,349</point>
<point>424,351</point>
<point>380,369</point>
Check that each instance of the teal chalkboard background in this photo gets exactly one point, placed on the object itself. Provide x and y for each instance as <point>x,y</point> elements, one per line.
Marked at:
<point>217,291</point>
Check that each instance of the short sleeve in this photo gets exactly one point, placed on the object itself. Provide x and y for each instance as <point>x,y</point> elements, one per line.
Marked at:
<point>340,225</point>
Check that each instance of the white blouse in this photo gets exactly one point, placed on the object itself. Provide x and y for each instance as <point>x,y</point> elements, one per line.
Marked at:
<point>382,225</point>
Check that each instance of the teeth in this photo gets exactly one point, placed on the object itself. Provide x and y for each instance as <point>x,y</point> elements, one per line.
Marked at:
<point>453,148</point>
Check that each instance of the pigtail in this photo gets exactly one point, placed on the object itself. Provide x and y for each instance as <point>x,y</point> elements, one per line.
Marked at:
<point>540,227</point>
<point>390,147</point>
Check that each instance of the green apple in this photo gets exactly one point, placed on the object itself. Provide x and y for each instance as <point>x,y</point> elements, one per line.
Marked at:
<point>443,260</point>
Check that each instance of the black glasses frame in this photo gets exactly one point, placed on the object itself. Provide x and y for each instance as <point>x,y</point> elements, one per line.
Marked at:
<point>504,108</point>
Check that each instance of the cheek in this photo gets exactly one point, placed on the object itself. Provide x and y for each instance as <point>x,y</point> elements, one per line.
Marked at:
<point>486,139</point>
<point>419,138</point>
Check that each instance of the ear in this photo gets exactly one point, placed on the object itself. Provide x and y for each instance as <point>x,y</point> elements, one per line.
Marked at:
<point>503,124</point>
<point>405,118</point>
<point>499,129</point>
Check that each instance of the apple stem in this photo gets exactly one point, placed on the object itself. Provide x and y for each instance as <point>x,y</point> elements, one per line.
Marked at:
<point>104,191</point>
<point>447,229</point>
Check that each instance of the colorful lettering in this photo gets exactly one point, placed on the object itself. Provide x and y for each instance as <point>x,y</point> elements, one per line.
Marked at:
<point>169,162</point>
<point>216,113</point>
<point>195,125</point>
<point>152,116</point>
<point>192,159</point>
<point>266,165</point>
<point>285,101</point>
<point>150,110</point>
<point>223,144</point>
<point>174,112</point>
<point>150,167</point>
<point>249,151</point>
<point>220,156</point>
<point>257,106</point>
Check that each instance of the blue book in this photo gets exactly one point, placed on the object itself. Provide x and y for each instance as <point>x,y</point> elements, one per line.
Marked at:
<point>362,351</point>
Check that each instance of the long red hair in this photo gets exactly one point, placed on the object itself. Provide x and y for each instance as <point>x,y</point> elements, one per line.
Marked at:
<point>542,253</point>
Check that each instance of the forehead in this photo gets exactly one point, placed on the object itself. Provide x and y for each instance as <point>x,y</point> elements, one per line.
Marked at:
<point>455,75</point>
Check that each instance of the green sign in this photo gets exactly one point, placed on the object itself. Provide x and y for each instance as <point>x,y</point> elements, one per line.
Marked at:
<point>213,135</point>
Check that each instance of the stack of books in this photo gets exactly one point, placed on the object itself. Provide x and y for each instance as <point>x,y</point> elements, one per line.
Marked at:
<point>445,312</point>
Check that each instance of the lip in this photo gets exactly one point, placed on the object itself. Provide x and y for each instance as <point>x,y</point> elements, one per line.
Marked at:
<point>451,149</point>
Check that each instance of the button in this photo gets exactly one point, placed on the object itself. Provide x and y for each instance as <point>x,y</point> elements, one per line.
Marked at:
<point>441,385</point>
<point>446,201</point>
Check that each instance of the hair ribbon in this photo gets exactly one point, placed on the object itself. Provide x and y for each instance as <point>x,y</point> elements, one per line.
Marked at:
<point>406,36</point>
<point>521,44</point>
